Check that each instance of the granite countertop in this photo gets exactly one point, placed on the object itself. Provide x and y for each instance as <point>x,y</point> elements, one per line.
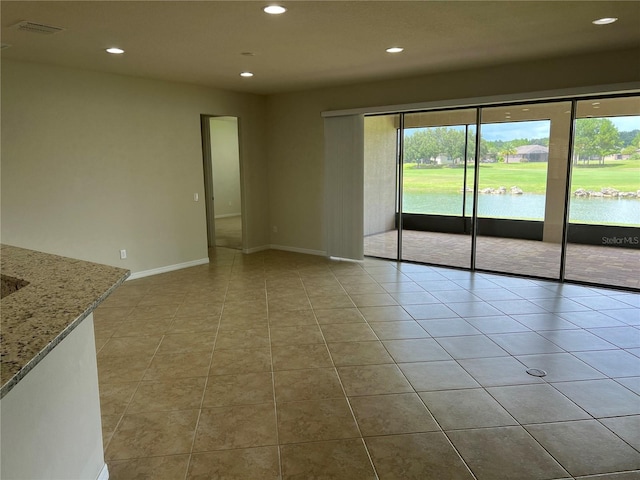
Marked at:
<point>47,297</point>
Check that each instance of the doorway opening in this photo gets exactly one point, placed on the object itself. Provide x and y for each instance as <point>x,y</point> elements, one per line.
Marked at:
<point>223,193</point>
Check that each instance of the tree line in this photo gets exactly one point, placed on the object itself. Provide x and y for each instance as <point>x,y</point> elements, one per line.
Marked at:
<point>594,139</point>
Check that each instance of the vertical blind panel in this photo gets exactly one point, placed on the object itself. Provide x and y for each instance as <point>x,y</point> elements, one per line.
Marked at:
<point>344,180</point>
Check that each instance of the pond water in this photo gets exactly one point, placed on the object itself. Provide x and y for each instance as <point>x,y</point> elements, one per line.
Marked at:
<point>604,211</point>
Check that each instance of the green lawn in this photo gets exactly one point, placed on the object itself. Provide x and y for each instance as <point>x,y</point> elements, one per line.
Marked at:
<point>623,175</point>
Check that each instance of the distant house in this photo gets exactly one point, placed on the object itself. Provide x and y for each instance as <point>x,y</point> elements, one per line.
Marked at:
<point>443,160</point>
<point>530,153</point>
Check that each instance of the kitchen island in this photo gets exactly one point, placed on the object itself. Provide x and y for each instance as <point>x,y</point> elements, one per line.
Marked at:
<point>49,400</point>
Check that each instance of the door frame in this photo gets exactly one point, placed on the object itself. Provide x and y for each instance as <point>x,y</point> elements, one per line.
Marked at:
<point>205,133</point>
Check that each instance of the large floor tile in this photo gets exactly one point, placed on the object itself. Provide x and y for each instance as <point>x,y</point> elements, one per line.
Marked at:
<point>114,397</point>
<point>385,314</point>
<point>348,332</point>
<point>241,360</point>
<point>359,353</point>
<point>613,363</point>
<point>471,408</point>
<point>153,434</point>
<point>178,365</point>
<point>601,398</point>
<point>331,460</point>
<point>537,404</point>
<point>525,343</point>
<point>491,372</point>
<point>373,380</point>
<point>237,464</point>
<point>251,338</point>
<point>125,368</point>
<point>416,350</point>
<point>140,345</point>
<point>240,389</point>
<point>398,330</point>
<point>473,346</point>
<point>561,367</point>
<point>576,340</point>
<point>418,456</point>
<point>313,384</point>
<point>627,428</point>
<point>591,319</point>
<point>316,420</point>
<point>392,414</point>
<point>476,309</point>
<point>295,335</point>
<point>505,453</point>
<point>441,375</point>
<point>429,312</point>
<point>292,357</point>
<point>448,327</point>
<point>177,394</point>
<point>496,324</point>
<point>239,426</point>
<point>338,315</point>
<point>544,321</point>
<point>160,468</point>
<point>187,342</point>
<point>623,337</point>
<point>568,442</point>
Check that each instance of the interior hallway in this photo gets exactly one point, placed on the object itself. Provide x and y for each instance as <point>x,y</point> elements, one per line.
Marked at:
<point>280,365</point>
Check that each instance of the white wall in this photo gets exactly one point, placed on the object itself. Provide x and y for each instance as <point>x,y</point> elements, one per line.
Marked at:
<point>295,145</point>
<point>93,163</point>
<point>51,419</point>
<point>225,163</point>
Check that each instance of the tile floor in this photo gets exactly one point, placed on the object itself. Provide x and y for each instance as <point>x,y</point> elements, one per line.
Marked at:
<point>280,365</point>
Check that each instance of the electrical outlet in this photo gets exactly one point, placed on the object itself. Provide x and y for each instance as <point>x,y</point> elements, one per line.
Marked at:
<point>123,254</point>
<point>196,197</point>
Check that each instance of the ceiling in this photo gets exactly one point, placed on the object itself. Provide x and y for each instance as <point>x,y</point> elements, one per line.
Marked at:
<point>315,43</point>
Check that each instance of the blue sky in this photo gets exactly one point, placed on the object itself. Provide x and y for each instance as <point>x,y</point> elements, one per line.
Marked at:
<point>513,130</point>
<point>538,128</point>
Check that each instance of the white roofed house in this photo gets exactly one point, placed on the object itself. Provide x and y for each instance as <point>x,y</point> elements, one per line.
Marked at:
<point>530,153</point>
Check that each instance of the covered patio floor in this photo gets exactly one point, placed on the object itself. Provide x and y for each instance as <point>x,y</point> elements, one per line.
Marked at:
<point>605,265</point>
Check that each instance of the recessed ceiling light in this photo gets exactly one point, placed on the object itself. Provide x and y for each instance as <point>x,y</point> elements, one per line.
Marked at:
<point>115,51</point>
<point>246,74</point>
<point>394,49</point>
<point>605,21</point>
<point>274,9</point>
<point>525,109</point>
<point>595,103</point>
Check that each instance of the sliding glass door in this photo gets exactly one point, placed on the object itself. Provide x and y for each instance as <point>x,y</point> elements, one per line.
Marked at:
<point>521,188</point>
<point>551,190</point>
<point>603,234</point>
<point>437,187</point>
<point>381,180</point>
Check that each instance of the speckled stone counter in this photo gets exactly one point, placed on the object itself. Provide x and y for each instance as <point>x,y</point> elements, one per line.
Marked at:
<point>60,293</point>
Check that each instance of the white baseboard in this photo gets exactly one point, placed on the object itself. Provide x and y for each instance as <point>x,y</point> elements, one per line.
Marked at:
<point>299,250</point>
<point>168,268</point>
<point>262,248</point>
<point>256,249</point>
<point>104,473</point>
<point>342,259</point>
<point>228,215</point>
